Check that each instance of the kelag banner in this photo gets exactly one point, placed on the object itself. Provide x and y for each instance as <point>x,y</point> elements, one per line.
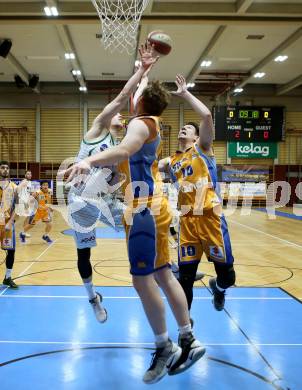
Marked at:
<point>253,149</point>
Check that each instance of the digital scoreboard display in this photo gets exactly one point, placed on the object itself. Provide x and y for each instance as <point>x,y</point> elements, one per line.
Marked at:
<point>248,123</point>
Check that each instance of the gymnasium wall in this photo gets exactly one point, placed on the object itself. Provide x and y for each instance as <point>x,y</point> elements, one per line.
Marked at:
<point>62,126</point>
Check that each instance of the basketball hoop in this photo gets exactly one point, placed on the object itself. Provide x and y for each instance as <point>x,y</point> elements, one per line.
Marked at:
<point>120,21</point>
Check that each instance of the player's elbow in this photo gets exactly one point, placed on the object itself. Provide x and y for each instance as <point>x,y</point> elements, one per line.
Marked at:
<point>124,153</point>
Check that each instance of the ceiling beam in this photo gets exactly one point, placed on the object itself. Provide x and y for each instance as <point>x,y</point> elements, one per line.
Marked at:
<point>20,70</point>
<point>69,47</point>
<point>230,20</point>
<point>196,68</point>
<point>282,89</point>
<point>242,6</point>
<point>277,51</point>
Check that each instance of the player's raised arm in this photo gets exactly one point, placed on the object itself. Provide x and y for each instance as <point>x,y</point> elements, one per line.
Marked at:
<point>136,136</point>
<point>142,85</point>
<point>148,58</point>
<point>206,127</point>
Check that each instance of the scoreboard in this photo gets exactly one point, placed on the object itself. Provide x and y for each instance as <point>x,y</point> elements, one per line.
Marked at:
<point>249,123</point>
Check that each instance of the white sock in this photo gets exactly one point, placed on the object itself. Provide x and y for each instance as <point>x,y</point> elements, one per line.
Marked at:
<point>183,330</point>
<point>90,290</point>
<point>219,288</point>
<point>161,339</point>
<point>8,273</point>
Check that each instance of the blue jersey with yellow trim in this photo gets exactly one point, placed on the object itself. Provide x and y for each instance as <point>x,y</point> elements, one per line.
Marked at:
<point>140,171</point>
<point>195,174</point>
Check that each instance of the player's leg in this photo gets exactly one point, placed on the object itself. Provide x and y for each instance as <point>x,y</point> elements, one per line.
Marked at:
<point>219,251</point>
<point>190,253</point>
<point>28,226</point>
<point>25,223</point>
<point>142,251</point>
<point>45,237</point>
<point>153,256</point>
<point>8,244</point>
<point>85,216</point>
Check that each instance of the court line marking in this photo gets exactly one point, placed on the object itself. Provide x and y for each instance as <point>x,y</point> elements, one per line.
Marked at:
<point>120,297</point>
<point>267,234</point>
<point>28,267</point>
<point>75,343</point>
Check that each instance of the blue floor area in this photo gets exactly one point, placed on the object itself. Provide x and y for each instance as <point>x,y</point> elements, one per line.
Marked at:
<point>49,338</point>
<point>281,214</point>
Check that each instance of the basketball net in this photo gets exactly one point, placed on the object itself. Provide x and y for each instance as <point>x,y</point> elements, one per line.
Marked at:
<point>120,21</point>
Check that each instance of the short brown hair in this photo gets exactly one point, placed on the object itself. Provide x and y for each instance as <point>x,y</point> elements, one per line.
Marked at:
<point>155,98</point>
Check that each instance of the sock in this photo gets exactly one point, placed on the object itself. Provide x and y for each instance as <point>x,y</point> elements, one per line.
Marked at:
<point>8,273</point>
<point>161,339</point>
<point>90,290</point>
<point>185,330</point>
<point>219,288</point>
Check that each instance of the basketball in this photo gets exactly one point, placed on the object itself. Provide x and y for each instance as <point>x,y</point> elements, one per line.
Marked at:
<point>161,42</point>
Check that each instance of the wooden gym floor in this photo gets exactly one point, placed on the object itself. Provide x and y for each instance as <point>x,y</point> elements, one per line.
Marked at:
<point>267,253</point>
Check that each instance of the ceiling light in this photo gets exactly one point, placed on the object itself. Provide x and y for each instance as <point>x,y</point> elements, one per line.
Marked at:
<point>54,11</point>
<point>83,89</point>
<point>238,90</point>
<point>47,11</point>
<point>51,11</point>
<point>281,58</point>
<point>69,56</point>
<point>259,75</point>
<point>206,64</point>
<point>76,72</point>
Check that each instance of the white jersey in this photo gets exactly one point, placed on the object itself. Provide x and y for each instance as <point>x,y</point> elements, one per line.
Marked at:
<point>25,189</point>
<point>88,149</point>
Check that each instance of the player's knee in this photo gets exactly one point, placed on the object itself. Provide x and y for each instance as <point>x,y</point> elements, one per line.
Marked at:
<point>226,275</point>
<point>84,264</point>
<point>187,275</point>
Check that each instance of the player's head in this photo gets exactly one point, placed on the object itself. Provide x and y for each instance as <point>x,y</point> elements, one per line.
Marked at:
<point>117,121</point>
<point>189,132</point>
<point>28,175</point>
<point>154,99</point>
<point>44,186</point>
<point>4,169</point>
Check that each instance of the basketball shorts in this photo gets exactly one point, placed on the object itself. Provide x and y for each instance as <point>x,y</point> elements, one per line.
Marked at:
<point>204,234</point>
<point>7,238</point>
<point>147,237</point>
<point>85,213</point>
<point>43,215</point>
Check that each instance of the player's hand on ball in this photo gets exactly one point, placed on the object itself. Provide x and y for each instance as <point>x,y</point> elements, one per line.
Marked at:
<point>81,168</point>
<point>148,55</point>
<point>181,85</point>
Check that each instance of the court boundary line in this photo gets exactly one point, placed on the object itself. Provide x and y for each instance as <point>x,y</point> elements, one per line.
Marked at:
<point>290,298</point>
<point>267,234</point>
<point>75,343</point>
<point>30,265</point>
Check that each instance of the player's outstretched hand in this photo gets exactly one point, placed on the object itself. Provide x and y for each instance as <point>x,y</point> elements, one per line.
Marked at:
<point>181,84</point>
<point>81,168</point>
<point>148,55</point>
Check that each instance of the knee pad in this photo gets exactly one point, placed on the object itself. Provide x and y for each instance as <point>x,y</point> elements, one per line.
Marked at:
<point>84,264</point>
<point>187,273</point>
<point>226,275</point>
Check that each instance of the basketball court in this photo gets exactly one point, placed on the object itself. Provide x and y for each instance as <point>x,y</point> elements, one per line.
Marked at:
<point>48,333</point>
